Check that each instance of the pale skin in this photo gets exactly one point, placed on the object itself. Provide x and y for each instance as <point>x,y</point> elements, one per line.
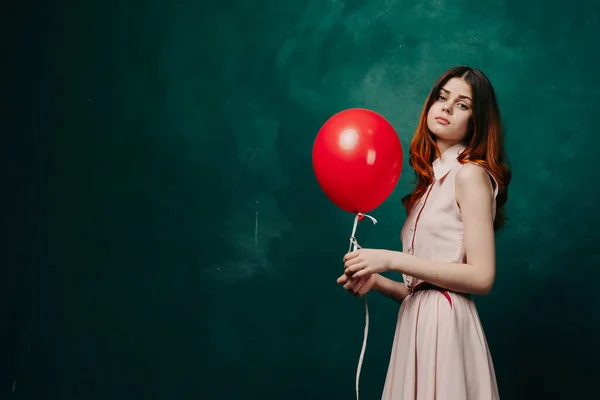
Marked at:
<point>448,121</point>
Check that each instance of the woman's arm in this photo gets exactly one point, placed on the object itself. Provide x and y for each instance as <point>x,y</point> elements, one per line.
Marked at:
<point>474,196</point>
<point>358,287</point>
<point>395,290</point>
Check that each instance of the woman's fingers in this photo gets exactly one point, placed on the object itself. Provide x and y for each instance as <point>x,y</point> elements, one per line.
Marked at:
<point>342,279</point>
<point>357,289</point>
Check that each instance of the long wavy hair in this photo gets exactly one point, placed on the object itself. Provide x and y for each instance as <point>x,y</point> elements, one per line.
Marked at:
<point>484,141</point>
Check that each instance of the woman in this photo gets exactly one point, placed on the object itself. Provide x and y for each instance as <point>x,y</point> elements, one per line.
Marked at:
<point>440,350</point>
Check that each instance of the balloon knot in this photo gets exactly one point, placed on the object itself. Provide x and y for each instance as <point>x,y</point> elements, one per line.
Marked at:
<point>361,217</point>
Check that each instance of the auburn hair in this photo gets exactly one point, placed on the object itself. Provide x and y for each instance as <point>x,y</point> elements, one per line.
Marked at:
<point>484,141</point>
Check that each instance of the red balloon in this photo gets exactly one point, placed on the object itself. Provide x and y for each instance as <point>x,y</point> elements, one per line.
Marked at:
<point>357,159</point>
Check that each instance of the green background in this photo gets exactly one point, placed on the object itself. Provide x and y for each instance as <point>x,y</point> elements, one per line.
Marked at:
<point>165,235</point>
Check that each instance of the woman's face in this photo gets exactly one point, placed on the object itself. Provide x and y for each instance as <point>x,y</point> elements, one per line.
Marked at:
<point>449,115</point>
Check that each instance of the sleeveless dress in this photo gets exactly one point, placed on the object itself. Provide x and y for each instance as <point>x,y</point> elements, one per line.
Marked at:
<point>439,351</point>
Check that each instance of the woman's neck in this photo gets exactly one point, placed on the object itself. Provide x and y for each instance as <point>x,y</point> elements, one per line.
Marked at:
<point>444,145</point>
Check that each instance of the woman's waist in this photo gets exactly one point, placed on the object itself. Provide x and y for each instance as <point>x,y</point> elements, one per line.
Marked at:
<point>417,285</point>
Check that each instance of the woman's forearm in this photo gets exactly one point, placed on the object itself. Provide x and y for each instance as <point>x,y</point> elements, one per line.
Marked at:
<point>394,290</point>
<point>457,277</point>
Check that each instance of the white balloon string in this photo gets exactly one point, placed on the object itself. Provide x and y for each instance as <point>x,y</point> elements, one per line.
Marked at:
<point>354,246</point>
<point>353,242</point>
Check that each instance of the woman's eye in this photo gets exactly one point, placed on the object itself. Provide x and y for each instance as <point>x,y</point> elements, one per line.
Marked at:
<point>463,106</point>
<point>440,97</point>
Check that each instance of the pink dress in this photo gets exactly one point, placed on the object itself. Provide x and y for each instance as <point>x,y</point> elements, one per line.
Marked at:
<point>440,351</point>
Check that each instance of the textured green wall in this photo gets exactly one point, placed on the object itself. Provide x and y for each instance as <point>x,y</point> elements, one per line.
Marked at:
<point>168,240</point>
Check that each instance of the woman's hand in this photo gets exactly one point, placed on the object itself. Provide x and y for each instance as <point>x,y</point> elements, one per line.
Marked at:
<point>365,262</point>
<point>358,286</point>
